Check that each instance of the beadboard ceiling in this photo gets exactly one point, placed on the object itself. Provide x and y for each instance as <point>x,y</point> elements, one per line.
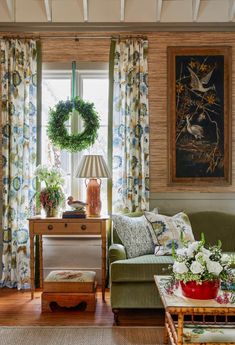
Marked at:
<point>156,12</point>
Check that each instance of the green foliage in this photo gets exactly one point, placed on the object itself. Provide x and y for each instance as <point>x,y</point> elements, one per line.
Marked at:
<point>58,133</point>
<point>173,250</point>
<point>203,241</point>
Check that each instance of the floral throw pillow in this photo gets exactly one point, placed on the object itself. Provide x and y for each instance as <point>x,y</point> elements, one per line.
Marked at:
<point>165,230</point>
<point>134,234</point>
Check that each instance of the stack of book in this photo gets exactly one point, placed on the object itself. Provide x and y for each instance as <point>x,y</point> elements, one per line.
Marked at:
<point>77,213</point>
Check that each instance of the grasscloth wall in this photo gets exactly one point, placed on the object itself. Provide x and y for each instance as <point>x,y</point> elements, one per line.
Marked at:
<point>98,50</point>
<point>87,50</point>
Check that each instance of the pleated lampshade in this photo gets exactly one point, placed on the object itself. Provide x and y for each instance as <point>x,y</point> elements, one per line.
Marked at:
<point>92,166</point>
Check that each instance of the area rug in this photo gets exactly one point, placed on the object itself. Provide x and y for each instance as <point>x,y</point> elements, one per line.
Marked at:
<point>81,335</point>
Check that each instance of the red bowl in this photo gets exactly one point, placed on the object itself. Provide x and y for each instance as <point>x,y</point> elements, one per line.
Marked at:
<point>205,290</point>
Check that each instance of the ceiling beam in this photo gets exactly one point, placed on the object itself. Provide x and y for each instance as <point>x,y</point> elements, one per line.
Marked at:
<point>85,10</point>
<point>48,9</point>
<point>11,9</point>
<point>231,10</point>
<point>159,10</point>
<point>195,8</point>
<point>122,10</point>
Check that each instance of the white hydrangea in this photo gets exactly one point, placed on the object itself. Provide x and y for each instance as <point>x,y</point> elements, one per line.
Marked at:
<point>206,251</point>
<point>225,258</point>
<point>196,267</point>
<point>202,257</point>
<point>180,267</point>
<point>181,251</point>
<point>192,247</point>
<point>214,267</point>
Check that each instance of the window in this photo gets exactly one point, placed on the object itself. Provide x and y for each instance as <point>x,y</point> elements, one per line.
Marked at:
<point>92,85</point>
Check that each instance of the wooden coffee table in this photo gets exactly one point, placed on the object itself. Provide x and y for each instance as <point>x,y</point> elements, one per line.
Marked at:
<point>190,321</point>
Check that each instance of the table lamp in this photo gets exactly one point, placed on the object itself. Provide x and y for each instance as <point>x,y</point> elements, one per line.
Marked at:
<point>93,167</point>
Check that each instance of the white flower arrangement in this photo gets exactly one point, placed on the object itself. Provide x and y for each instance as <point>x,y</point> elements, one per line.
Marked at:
<point>195,262</point>
<point>51,176</point>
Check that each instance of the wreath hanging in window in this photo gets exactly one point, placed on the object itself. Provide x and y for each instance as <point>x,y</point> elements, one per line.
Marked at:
<point>58,133</point>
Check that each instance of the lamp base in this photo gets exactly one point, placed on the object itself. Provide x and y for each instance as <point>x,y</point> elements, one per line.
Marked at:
<point>93,201</point>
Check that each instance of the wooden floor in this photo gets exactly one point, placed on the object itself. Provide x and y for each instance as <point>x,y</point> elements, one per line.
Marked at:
<point>17,309</point>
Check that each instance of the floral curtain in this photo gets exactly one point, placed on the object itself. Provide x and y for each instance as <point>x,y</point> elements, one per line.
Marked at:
<point>19,117</point>
<point>130,126</point>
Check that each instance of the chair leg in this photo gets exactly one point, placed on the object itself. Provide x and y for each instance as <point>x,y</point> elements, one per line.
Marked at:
<point>116,317</point>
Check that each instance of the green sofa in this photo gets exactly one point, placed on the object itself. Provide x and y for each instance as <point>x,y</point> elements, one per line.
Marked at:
<point>131,280</point>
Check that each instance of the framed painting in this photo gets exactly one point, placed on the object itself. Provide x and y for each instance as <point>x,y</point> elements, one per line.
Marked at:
<point>199,115</point>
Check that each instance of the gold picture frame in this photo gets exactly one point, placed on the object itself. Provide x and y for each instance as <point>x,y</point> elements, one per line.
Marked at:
<point>199,115</point>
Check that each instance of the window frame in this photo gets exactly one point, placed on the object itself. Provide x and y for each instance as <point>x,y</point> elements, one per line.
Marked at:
<point>83,71</point>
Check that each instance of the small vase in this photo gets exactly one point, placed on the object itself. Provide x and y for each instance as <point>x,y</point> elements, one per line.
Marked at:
<point>51,211</point>
<point>205,290</point>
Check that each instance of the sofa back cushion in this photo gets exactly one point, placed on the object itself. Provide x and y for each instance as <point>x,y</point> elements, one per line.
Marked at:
<point>216,226</point>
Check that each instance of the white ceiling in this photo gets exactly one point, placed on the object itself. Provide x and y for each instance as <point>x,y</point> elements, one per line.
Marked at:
<point>117,11</point>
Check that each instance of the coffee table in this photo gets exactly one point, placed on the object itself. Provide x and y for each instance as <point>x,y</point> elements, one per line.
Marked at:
<point>190,321</point>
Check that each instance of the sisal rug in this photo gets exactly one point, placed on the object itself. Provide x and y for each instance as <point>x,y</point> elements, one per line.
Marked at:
<point>81,335</point>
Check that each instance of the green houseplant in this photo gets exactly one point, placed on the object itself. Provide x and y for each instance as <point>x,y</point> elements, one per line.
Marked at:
<point>51,196</point>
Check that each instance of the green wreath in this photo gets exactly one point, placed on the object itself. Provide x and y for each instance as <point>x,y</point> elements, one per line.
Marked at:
<point>57,131</point>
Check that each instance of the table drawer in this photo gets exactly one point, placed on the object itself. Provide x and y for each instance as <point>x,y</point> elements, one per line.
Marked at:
<point>67,227</point>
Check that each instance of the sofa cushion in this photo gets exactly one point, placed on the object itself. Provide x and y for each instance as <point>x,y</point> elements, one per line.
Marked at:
<point>140,269</point>
<point>134,234</point>
<point>215,226</point>
<point>166,230</point>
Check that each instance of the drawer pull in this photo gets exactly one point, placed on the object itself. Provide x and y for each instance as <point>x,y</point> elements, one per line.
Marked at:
<point>50,227</point>
<point>83,227</point>
<point>65,225</point>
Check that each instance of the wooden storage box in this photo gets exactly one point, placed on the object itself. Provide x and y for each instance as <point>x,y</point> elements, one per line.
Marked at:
<point>69,289</point>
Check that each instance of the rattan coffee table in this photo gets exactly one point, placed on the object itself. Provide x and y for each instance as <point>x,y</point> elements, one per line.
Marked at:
<point>190,321</point>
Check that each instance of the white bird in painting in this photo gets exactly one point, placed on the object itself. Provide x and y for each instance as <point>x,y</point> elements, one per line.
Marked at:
<point>196,130</point>
<point>198,84</point>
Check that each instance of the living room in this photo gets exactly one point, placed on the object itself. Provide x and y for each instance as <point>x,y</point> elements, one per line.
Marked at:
<point>117,169</point>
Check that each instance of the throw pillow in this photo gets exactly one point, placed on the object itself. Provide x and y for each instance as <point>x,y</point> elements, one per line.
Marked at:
<point>166,230</point>
<point>134,234</point>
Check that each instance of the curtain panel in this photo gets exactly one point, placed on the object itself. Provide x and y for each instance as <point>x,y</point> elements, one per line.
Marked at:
<point>130,126</point>
<point>19,135</point>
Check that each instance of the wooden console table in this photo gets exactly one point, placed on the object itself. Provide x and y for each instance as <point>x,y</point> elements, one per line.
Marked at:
<point>60,226</point>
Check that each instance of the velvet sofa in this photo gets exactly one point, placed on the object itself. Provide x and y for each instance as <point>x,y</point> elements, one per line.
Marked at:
<point>131,280</point>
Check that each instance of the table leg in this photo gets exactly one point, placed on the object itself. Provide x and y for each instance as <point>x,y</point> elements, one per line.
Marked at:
<point>180,329</point>
<point>103,239</point>
<point>41,260</point>
<point>165,334</point>
<point>32,265</point>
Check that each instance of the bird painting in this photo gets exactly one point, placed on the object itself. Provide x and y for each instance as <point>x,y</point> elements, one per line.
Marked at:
<point>199,84</point>
<point>199,89</point>
<point>196,130</point>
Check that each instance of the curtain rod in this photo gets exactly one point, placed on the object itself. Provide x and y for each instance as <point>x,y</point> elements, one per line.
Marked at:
<point>76,38</point>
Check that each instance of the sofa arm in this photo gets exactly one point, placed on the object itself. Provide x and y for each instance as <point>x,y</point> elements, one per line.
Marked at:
<point>117,252</point>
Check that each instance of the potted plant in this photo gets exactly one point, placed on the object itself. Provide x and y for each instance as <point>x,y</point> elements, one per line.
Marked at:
<point>200,269</point>
<point>51,196</point>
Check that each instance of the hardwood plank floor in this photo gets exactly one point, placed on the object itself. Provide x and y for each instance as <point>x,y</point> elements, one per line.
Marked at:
<point>17,309</point>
